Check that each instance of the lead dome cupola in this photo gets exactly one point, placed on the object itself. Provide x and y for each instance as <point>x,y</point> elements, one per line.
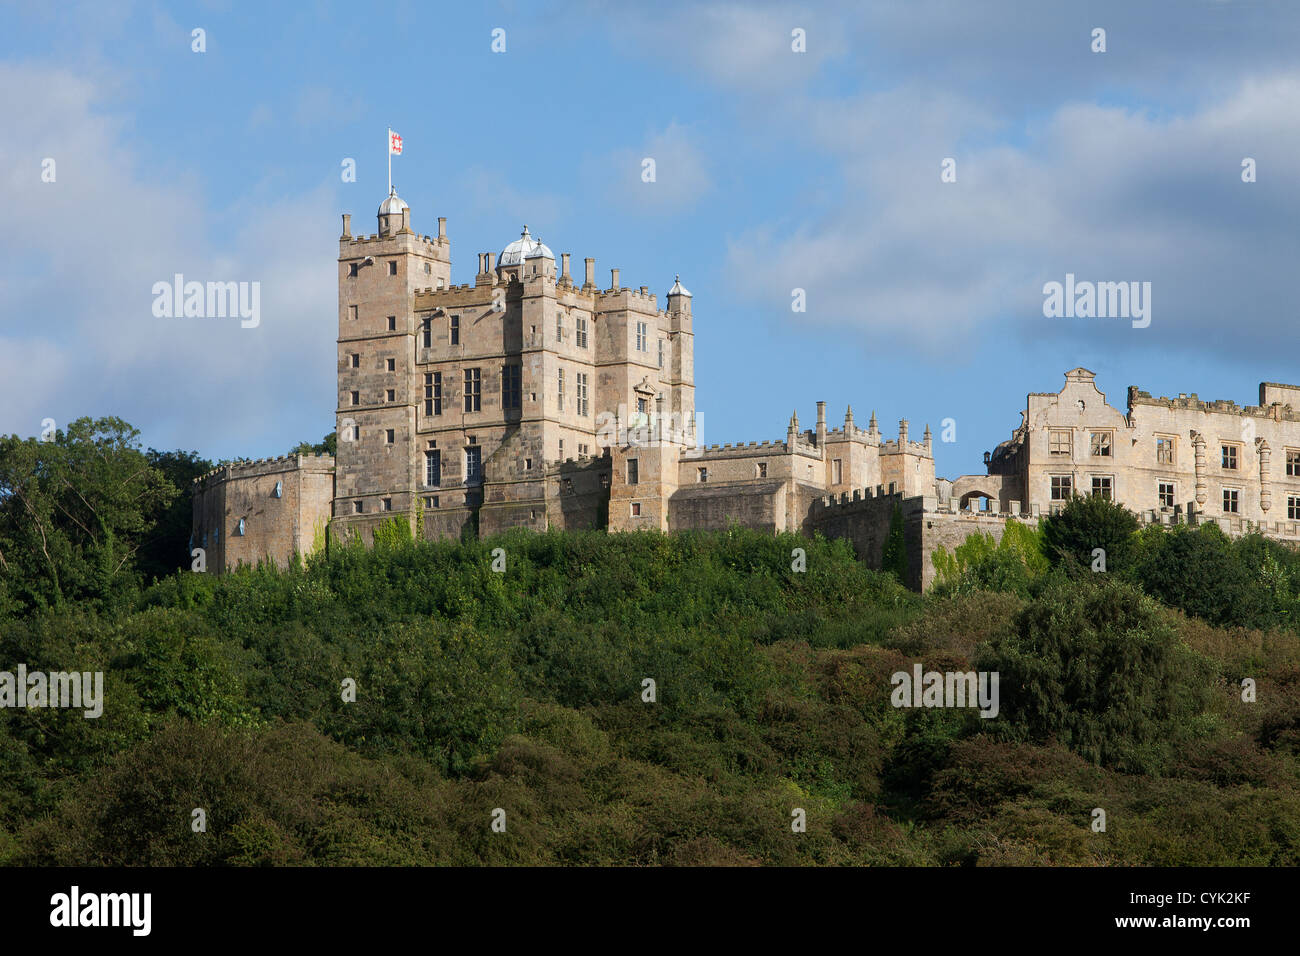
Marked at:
<point>525,247</point>
<point>393,205</point>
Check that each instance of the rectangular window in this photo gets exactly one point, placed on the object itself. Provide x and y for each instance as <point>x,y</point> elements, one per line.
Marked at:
<point>1293,463</point>
<point>358,507</point>
<point>640,406</point>
<point>433,393</point>
<point>390,395</point>
<point>473,389</point>
<point>454,329</point>
<point>1292,508</point>
<point>1060,443</point>
<point>641,337</point>
<point>636,509</point>
<point>581,334</point>
<point>1164,451</point>
<point>426,333</point>
<point>1062,487</point>
<point>1100,442</point>
<point>837,471</point>
<point>511,392</point>
<point>1231,498</point>
<point>559,380</point>
<point>356,398</point>
<point>387,504</point>
<point>703,475</point>
<point>390,365</point>
<point>1165,491</point>
<point>762,469</point>
<point>473,464</point>
<point>356,359</point>
<point>389,436</point>
<point>1230,457</point>
<point>352,269</point>
<point>433,468</point>
<point>1102,487</point>
<point>352,313</point>
<point>633,475</point>
<point>392,267</point>
<point>583,408</point>
<point>661,353</point>
<point>392,323</point>
<point>559,326</point>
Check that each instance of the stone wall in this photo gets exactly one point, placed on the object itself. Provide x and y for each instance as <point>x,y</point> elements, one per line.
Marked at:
<point>247,512</point>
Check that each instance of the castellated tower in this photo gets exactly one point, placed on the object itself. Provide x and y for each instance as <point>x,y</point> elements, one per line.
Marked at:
<point>493,404</point>
<point>378,389</point>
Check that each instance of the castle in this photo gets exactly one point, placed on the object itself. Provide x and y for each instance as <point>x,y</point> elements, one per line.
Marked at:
<point>524,399</point>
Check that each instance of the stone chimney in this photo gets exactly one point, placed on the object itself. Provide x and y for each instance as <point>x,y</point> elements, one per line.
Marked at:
<point>902,434</point>
<point>821,424</point>
<point>406,221</point>
<point>492,261</point>
<point>590,281</point>
<point>442,229</point>
<point>613,279</point>
<point>564,269</point>
<point>347,225</point>
<point>482,263</point>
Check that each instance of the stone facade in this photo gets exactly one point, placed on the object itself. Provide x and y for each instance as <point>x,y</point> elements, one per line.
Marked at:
<point>526,399</point>
<point>256,511</point>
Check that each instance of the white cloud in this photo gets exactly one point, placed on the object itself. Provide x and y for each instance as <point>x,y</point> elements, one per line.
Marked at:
<point>78,332</point>
<point>680,173</point>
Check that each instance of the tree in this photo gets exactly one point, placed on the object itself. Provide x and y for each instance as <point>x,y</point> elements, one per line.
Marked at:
<point>326,446</point>
<point>1200,572</point>
<point>894,556</point>
<point>74,511</point>
<point>1086,524</point>
<point>166,548</point>
<point>1100,667</point>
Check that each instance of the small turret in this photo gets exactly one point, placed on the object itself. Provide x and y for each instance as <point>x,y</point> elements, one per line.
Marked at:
<point>394,214</point>
<point>873,427</point>
<point>792,431</point>
<point>679,297</point>
<point>848,422</point>
<point>929,441</point>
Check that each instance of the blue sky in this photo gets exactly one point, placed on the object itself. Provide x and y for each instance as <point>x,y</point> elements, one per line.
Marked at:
<point>775,170</point>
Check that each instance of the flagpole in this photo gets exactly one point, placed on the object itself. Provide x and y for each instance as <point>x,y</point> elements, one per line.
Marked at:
<point>390,159</point>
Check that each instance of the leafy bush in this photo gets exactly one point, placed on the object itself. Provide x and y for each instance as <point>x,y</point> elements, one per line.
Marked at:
<point>1099,667</point>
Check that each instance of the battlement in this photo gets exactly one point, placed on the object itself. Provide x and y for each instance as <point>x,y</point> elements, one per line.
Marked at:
<point>890,446</point>
<point>252,467</point>
<point>743,449</point>
<point>568,465</point>
<point>1192,402</point>
<point>432,241</point>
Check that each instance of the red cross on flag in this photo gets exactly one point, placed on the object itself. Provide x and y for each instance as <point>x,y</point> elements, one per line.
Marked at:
<point>394,144</point>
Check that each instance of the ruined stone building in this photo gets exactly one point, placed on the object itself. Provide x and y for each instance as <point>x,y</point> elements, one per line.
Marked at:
<point>527,399</point>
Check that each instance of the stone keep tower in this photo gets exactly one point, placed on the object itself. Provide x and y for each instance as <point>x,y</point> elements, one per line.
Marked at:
<point>378,276</point>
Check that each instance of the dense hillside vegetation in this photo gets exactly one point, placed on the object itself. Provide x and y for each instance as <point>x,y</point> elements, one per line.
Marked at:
<point>524,690</point>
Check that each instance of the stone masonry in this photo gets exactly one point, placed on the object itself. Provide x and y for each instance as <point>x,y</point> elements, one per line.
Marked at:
<point>527,399</point>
